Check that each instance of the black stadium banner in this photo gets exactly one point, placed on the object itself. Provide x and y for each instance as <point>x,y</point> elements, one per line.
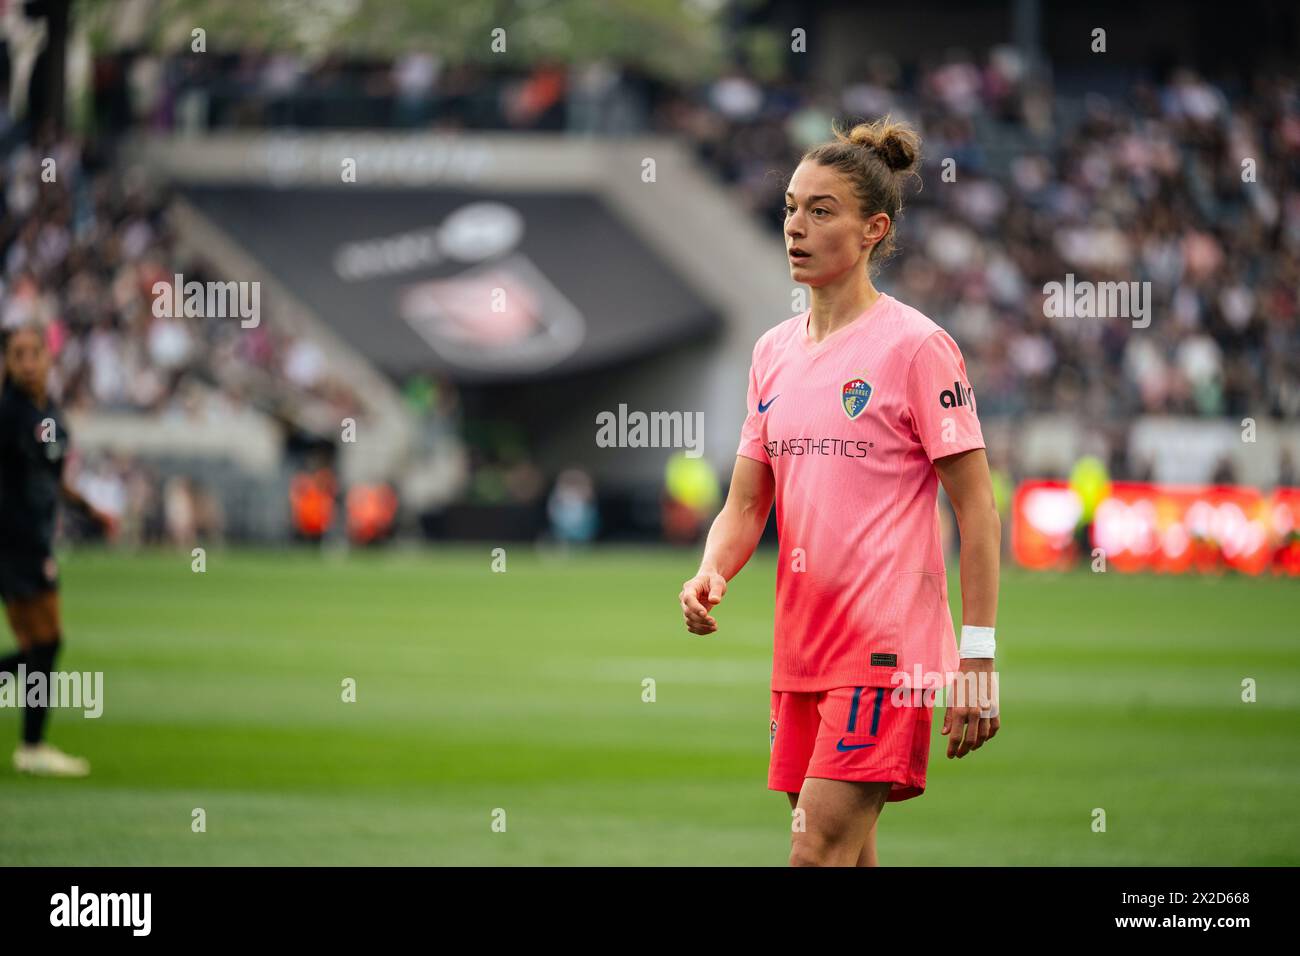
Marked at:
<point>481,287</point>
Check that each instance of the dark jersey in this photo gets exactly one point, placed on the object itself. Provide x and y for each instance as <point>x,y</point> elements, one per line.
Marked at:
<point>33,445</point>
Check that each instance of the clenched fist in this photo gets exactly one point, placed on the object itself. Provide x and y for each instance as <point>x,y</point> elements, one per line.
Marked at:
<point>699,595</point>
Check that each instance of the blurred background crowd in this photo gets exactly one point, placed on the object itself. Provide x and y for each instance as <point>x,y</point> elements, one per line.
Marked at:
<point>1182,183</point>
<point>1171,177</point>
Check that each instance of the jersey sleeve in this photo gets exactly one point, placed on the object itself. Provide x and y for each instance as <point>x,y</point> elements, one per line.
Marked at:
<point>941,400</point>
<point>751,433</point>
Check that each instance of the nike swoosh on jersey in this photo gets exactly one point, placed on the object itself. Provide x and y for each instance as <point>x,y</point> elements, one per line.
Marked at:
<point>842,747</point>
<point>762,408</point>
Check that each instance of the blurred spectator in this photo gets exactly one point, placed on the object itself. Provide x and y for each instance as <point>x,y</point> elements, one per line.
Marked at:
<point>691,497</point>
<point>571,507</point>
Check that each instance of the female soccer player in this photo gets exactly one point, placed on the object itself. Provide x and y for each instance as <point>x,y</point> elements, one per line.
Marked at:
<point>858,409</point>
<point>33,445</point>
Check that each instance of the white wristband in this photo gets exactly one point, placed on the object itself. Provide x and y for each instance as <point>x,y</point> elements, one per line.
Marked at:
<point>976,641</point>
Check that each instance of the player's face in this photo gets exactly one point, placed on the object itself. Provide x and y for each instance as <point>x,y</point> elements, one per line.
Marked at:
<point>26,360</point>
<point>823,219</point>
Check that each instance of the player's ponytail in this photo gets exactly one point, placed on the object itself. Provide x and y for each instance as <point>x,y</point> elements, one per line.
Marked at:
<point>878,158</point>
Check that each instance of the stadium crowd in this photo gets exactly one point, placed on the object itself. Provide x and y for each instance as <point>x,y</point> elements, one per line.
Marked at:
<point>82,246</point>
<point>1189,186</point>
<point>1177,185</point>
<point>82,254</point>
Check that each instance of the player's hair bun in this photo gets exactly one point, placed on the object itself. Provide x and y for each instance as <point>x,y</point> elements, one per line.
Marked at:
<point>895,143</point>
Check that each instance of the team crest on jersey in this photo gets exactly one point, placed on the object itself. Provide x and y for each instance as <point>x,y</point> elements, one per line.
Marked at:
<point>854,396</point>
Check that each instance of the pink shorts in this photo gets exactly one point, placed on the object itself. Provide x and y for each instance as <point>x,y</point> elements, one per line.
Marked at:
<point>850,733</point>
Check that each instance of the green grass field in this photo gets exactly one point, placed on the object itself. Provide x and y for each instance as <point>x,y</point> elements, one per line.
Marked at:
<point>522,691</point>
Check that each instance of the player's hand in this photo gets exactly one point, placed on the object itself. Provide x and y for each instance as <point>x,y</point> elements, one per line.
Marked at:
<point>699,595</point>
<point>105,521</point>
<point>971,719</point>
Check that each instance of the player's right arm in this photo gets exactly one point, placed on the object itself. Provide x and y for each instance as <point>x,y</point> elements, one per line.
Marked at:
<point>732,539</point>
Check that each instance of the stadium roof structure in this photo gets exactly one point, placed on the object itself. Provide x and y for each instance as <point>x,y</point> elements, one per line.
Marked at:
<point>596,272</point>
<point>482,286</point>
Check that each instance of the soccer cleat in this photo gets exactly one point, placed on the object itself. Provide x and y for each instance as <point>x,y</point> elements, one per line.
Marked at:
<point>44,760</point>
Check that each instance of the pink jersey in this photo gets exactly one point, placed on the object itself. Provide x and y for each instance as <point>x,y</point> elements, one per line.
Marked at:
<point>851,427</point>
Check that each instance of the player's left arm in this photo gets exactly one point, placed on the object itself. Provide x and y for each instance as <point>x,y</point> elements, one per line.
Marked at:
<point>965,478</point>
